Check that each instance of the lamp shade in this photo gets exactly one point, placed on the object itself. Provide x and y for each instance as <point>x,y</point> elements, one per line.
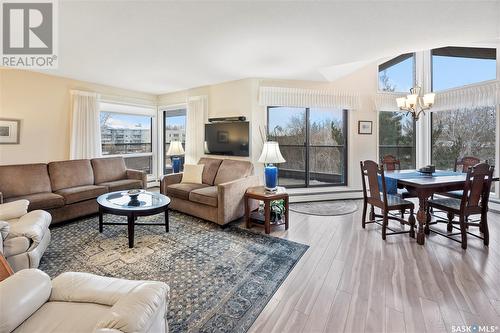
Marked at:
<point>401,102</point>
<point>429,99</point>
<point>175,149</point>
<point>271,153</point>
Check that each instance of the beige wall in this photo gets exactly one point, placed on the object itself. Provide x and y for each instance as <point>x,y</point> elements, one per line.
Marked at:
<point>241,98</point>
<point>42,102</point>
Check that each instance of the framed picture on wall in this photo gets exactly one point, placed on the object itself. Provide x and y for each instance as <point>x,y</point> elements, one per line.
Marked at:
<point>9,131</point>
<point>365,127</point>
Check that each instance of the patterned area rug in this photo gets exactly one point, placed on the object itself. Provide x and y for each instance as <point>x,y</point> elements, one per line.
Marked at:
<point>220,280</point>
<point>325,208</point>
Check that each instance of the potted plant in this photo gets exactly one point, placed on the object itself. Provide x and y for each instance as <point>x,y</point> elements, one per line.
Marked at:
<point>277,210</point>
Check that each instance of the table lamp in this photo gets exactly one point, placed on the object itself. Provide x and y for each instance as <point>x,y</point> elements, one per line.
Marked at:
<point>175,150</point>
<point>271,154</point>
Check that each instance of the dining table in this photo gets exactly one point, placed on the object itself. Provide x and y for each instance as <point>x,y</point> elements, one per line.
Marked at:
<point>423,186</point>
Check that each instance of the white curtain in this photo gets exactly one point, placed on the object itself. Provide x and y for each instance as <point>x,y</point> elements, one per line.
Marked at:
<point>386,101</point>
<point>297,97</point>
<point>197,115</point>
<point>85,127</point>
<point>468,97</point>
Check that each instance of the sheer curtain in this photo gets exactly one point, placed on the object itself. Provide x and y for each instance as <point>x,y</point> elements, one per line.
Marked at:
<point>197,114</point>
<point>298,97</point>
<point>85,126</point>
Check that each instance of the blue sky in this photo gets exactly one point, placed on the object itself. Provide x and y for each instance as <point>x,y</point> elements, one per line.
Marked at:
<point>448,72</point>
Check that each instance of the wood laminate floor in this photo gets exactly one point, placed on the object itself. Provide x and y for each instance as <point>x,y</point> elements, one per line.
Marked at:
<point>350,280</point>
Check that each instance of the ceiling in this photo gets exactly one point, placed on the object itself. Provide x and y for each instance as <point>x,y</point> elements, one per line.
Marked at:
<point>159,47</point>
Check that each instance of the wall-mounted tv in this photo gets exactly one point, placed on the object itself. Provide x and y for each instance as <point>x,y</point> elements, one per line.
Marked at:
<point>227,138</point>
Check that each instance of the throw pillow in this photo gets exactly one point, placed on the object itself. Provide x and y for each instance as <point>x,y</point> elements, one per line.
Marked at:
<point>192,173</point>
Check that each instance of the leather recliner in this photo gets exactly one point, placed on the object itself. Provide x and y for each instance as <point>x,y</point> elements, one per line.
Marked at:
<point>24,236</point>
<point>81,302</point>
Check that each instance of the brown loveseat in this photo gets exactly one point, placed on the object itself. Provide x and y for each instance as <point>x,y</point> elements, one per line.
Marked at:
<point>220,198</point>
<point>67,189</point>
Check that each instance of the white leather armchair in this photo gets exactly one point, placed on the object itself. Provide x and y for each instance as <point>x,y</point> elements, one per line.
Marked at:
<point>81,302</point>
<point>24,236</point>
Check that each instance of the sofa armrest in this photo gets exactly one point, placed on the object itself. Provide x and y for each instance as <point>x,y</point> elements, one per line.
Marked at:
<point>21,295</point>
<point>139,175</point>
<point>14,209</point>
<point>137,311</point>
<point>230,198</point>
<point>33,225</point>
<point>90,288</point>
<point>173,178</point>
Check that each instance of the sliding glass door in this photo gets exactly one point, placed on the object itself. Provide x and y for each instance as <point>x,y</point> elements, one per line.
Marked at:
<point>313,143</point>
<point>174,129</point>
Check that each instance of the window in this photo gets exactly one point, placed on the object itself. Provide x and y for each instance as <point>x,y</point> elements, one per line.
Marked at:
<point>459,133</point>
<point>127,135</point>
<point>313,142</point>
<point>458,66</point>
<point>174,124</point>
<point>397,74</point>
<point>397,137</point>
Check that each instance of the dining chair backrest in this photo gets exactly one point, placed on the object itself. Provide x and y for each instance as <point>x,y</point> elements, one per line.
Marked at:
<point>390,163</point>
<point>466,162</point>
<point>371,171</point>
<point>477,188</point>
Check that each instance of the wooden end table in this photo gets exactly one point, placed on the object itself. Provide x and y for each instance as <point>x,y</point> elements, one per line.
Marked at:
<point>260,193</point>
<point>5,269</point>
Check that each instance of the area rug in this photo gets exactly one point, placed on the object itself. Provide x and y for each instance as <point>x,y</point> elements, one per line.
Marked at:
<point>325,208</point>
<point>220,279</point>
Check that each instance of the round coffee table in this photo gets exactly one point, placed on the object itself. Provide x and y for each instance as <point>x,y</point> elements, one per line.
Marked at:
<point>121,203</point>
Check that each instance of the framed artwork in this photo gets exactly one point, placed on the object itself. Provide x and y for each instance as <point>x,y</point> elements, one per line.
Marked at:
<point>365,127</point>
<point>9,131</point>
<point>222,137</point>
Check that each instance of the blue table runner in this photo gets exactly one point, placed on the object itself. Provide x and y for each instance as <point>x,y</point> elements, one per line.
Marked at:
<point>391,178</point>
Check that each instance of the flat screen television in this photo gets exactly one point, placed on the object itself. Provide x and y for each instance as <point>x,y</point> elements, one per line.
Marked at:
<point>227,138</point>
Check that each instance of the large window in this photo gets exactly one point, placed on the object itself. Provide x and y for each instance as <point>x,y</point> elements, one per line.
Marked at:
<point>459,133</point>
<point>397,137</point>
<point>397,74</point>
<point>458,66</point>
<point>127,135</point>
<point>313,143</point>
<point>174,125</point>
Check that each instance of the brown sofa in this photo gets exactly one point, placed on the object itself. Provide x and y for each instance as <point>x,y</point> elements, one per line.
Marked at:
<point>220,198</point>
<point>67,189</point>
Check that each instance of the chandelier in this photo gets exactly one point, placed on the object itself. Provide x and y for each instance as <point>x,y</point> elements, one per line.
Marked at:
<point>415,103</point>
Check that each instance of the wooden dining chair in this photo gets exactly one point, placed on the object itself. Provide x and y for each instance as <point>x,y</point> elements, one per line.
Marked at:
<point>390,163</point>
<point>376,195</point>
<point>474,201</point>
<point>462,165</point>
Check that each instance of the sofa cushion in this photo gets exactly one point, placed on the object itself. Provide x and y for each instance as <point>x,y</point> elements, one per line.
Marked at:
<point>66,174</point>
<point>206,196</point>
<point>192,174</point>
<point>211,166</point>
<point>124,184</point>
<point>64,317</point>
<point>24,179</point>
<point>109,169</point>
<point>81,193</point>
<point>182,190</point>
<point>230,170</point>
<point>45,200</point>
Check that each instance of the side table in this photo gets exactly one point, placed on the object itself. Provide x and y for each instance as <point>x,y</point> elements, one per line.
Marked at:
<point>260,193</point>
